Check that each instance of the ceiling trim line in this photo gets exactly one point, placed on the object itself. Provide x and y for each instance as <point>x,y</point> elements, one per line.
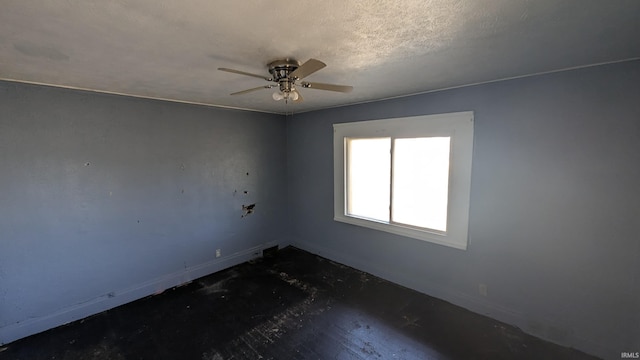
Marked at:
<point>478,83</point>
<point>136,96</point>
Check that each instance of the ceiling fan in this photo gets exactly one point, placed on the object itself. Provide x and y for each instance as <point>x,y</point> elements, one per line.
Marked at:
<point>287,74</point>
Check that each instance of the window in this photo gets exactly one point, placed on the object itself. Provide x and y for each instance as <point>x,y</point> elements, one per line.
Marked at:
<point>408,176</point>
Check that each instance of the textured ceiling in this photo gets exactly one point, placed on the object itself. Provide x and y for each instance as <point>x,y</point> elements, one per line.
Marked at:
<point>171,49</point>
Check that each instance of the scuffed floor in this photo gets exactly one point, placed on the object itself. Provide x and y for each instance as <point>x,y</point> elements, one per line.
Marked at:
<point>293,306</point>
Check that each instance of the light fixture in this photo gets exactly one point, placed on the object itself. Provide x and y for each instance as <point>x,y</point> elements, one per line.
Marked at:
<point>286,95</point>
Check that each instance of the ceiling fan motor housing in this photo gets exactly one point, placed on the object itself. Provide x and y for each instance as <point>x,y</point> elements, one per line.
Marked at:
<point>280,70</point>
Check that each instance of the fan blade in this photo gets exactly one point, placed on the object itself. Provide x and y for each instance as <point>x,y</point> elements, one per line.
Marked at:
<point>254,89</point>
<point>330,87</point>
<point>307,69</point>
<point>245,73</point>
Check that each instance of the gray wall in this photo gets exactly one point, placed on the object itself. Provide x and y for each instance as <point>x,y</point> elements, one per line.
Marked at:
<point>105,199</point>
<point>555,205</point>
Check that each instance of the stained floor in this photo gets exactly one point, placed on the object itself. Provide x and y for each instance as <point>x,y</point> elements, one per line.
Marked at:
<point>292,305</point>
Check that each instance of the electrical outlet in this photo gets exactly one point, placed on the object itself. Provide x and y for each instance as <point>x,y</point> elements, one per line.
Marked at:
<point>482,289</point>
<point>218,253</point>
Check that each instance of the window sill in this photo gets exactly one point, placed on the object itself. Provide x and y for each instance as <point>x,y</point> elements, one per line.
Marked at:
<point>436,238</point>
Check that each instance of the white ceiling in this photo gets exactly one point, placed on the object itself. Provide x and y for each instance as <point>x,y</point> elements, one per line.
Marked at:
<point>171,49</point>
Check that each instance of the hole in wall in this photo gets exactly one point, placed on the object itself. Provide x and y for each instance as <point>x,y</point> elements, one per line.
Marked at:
<point>248,209</point>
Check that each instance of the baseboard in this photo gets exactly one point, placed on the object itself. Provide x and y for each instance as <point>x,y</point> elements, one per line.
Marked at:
<point>31,326</point>
<point>476,305</point>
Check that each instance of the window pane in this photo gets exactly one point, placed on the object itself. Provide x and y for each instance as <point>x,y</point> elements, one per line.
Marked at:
<point>369,177</point>
<point>421,182</point>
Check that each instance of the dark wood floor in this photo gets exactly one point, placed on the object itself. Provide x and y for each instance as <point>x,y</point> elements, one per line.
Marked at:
<point>294,305</point>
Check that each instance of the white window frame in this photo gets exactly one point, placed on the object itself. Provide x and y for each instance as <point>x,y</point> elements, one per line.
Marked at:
<point>458,126</point>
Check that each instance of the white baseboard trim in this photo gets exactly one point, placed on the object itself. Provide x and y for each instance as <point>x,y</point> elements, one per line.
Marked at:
<point>31,326</point>
<point>476,305</point>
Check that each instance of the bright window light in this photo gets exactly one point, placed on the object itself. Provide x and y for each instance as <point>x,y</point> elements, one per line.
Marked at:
<point>368,178</point>
<point>421,182</point>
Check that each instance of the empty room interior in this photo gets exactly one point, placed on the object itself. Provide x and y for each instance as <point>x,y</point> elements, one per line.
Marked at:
<point>442,179</point>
